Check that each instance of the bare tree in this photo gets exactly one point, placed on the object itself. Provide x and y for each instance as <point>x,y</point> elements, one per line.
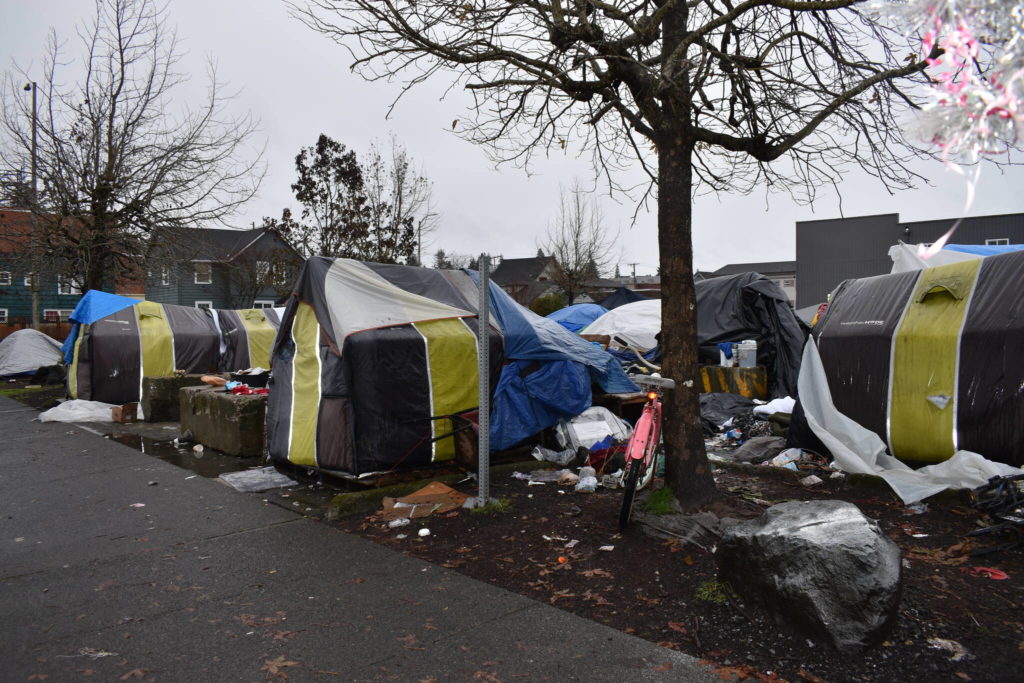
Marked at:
<point>400,204</point>
<point>707,95</point>
<point>115,156</point>
<point>579,241</point>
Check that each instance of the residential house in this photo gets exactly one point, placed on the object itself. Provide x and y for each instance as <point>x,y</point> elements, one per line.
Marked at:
<point>782,273</point>
<point>217,268</point>
<point>830,251</point>
<point>58,291</point>
<point>527,279</point>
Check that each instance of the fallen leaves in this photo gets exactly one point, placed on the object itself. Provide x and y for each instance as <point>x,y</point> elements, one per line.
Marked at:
<point>676,626</point>
<point>591,573</point>
<point>276,666</point>
<point>134,673</point>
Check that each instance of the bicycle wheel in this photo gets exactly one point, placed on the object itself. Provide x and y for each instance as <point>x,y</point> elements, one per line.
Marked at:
<point>630,479</point>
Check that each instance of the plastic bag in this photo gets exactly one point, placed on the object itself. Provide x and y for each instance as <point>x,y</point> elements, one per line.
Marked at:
<point>590,427</point>
<point>78,410</point>
<point>563,457</point>
<point>588,480</point>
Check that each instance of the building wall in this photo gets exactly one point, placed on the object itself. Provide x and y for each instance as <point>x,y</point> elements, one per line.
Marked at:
<point>830,251</point>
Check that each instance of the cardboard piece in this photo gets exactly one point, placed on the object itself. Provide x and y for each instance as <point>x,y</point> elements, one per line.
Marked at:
<point>434,497</point>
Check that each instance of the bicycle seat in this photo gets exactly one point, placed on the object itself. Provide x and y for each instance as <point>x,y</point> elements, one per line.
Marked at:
<point>647,380</point>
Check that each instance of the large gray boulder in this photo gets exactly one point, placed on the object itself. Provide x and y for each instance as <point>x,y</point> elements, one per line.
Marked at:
<point>820,566</point>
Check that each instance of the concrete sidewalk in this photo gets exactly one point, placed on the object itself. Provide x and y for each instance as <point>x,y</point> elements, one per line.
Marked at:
<point>201,583</point>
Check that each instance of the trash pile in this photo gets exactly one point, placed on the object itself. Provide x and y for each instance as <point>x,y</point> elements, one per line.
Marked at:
<point>1002,499</point>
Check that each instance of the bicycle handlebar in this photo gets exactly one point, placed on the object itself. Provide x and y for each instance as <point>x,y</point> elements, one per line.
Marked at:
<point>663,382</point>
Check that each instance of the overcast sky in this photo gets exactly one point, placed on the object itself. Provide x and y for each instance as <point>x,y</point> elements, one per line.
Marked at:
<point>297,84</point>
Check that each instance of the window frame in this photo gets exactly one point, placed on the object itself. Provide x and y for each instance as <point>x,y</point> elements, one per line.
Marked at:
<point>63,315</point>
<point>262,303</point>
<point>997,242</point>
<point>4,318</point>
<point>208,305</point>
<point>195,272</point>
<point>27,280</point>
<point>6,278</point>
<point>68,282</point>
<point>165,275</point>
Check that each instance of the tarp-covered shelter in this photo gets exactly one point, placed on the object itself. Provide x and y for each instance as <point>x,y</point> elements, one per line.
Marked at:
<point>116,341</point>
<point>729,309</point>
<point>574,318</point>
<point>907,257</point>
<point>619,297</point>
<point>25,351</point>
<point>930,360</point>
<point>368,356</point>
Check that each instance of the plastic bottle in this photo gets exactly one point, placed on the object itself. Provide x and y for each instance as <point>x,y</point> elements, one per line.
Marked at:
<point>588,480</point>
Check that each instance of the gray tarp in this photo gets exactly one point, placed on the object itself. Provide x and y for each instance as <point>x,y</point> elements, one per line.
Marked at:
<point>25,351</point>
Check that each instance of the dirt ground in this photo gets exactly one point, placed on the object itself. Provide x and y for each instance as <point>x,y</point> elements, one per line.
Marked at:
<point>955,622</point>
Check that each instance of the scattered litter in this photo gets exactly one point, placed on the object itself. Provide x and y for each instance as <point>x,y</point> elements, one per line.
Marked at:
<point>395,523</point>
<point>919,535</point>
<point>786,459</point>
<point>534,483</point>
<point>198,449</point>
<point>401,536</point>
<point>256,480</point>
<point>553,538</point>
<point>213,380</point>
<point>607,548</point>
<point>562,559</point>
<point>612,481</point>
<point>568,478</point>
<point>837,475</point>
<point>916,509</point>
<point>986,572</point>
<point>434,497</point>
<point>542,476</point>
<point>191,476</point>
<point>424,532</point>
<point>575,511</point>
<point>572,544</point>
<point>78,410</point>
<point>957,651</point>
<point>590,427</point>
<point>779,405</point>
<point>137,505</point>
<point>811,481</point>
<point>588,480</point>
<point>563,457</point>
<point>152,483</point>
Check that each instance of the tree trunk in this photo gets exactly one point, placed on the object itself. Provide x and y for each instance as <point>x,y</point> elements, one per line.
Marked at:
<point>686,467</point>
<point>687,471</point>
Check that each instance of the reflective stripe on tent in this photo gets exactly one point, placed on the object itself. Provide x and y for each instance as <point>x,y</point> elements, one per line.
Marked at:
<point>453,372</point>
<point>305,405</point>
<point>926,348</point>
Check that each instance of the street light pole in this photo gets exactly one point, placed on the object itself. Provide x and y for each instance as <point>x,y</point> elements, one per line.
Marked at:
<point>33,240</point>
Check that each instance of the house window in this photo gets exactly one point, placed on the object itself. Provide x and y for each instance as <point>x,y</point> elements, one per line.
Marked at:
<point>998,241</point>
<point>28,280</point>
<point>262,271</point>
<point>165,275</point>
<point>789,283</point>
<point>3,315</point>
<point>53,315</point>
<point>5,277</point>
<point>204,304</point>
<point>281,276</point>
<point>65,285</point>
<point>262,303</point>
<point>204,273</point>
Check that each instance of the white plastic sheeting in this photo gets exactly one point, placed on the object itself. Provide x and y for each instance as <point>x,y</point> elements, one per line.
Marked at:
<point>904,257</point>
<point>778,405</point>
<point>859,450</point>
<point>636,324</point>
<point>28,350</point>
<point>78,410</point>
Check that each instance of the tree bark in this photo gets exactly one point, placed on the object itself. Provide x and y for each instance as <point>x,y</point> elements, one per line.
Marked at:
<point>687,471</point>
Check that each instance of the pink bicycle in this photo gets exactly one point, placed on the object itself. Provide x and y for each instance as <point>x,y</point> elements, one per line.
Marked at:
<point>643,444</point>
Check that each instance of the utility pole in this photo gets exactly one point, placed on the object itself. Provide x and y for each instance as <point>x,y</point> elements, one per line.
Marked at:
<point>634,265</point>
<point>34,238</point>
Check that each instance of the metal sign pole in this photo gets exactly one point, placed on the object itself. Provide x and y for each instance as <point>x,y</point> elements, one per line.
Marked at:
<point>484,384</point>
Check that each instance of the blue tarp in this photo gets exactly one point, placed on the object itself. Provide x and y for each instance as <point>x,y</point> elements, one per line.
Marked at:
<point>550,375</point>
<point>984,249</point>
<point>574,318</point>
<point>91,307</point>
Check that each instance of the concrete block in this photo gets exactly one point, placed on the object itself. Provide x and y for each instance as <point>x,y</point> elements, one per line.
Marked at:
<point>160,401</point>
<point>233,424</point>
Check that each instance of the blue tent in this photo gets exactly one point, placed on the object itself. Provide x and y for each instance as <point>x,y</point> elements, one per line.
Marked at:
<point>91,307</point>
<point>547,375</point>
<point>984,249</point>
<point>574,318</point>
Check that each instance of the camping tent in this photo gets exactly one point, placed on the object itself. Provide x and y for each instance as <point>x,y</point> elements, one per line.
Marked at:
<point>905,256</point>
<point>930,360</point>
<point>729,309</point>
<point>25,351</point>
<point>619,297</point>
<point>116,341</point>
<point>369,355</point>
<point>574,318</point>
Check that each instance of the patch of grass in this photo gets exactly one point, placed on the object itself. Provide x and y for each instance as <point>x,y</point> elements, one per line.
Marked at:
<point>660,502</point>
<point>714,591</point>
<point>495,506</point>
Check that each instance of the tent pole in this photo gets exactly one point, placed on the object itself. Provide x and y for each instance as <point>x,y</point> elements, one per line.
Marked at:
<point>484,384</point>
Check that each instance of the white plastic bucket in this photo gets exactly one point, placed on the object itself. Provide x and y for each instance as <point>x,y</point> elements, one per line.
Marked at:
<point>746,353</point>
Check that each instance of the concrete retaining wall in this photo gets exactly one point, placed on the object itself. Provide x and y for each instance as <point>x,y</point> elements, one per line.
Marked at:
<point>218,419</point>
<point>160,401</point>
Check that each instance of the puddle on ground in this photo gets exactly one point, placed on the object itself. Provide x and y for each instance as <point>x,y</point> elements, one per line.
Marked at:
<point>209,463</point>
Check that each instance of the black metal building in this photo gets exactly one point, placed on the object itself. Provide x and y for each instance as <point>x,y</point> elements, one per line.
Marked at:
<point>830,251</point>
